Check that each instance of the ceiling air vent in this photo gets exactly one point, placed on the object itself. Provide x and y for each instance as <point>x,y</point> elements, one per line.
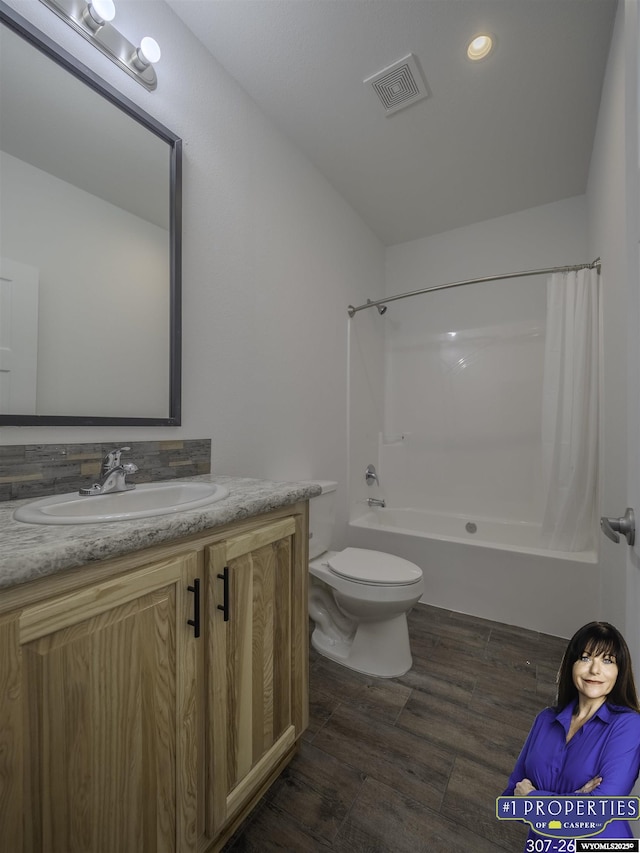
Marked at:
<point>399,85</point>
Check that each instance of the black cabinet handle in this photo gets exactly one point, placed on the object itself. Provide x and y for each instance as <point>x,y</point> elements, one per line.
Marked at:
<point>195,589</point>
<point>224,577</point>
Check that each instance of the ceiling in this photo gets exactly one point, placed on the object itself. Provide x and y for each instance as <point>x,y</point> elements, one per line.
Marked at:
<point>510,132</point>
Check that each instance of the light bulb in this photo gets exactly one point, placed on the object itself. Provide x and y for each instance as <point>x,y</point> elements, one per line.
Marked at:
<point>149,50</point>
<point>101,11</point>
<point>480,46</point>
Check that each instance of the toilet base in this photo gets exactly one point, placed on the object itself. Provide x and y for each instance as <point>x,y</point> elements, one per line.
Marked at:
<point>377,648</point>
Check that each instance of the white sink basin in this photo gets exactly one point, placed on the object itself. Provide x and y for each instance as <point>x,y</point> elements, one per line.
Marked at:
<point>149,499</point>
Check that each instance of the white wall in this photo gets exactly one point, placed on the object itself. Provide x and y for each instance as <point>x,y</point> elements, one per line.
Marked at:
<point>464,366</point>
<point>272,257</point>
<point>614,232</point>
<point>607,208</point>
<point>632,112</point>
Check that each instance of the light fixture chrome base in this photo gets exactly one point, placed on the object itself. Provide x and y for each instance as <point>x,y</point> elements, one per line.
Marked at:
<point>106,38</point>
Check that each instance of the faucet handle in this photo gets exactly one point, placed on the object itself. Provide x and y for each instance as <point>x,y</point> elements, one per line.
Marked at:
<point>112,459</point>
<point>370,475</point>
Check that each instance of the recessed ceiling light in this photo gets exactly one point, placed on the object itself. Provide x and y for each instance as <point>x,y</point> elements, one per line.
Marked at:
<point>480,46</point>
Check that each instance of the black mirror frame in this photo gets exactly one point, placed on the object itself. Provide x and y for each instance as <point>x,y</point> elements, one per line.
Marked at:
<point>40,41</point>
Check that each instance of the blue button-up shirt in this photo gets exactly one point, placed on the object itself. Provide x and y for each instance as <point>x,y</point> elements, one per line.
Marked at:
<point>607,745</point>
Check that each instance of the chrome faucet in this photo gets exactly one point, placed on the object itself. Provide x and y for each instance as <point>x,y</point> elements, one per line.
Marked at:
<point>113,474</point>
<point>376,502</point>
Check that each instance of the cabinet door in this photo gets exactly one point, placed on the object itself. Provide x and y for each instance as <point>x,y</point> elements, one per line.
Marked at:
<point>250,650</point>
<point>109,702</point>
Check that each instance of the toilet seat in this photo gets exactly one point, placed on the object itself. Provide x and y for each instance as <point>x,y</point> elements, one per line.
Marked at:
<point>373,567</point>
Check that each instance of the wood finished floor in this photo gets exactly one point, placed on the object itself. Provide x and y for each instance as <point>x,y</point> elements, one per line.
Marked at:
<point>412,764</point>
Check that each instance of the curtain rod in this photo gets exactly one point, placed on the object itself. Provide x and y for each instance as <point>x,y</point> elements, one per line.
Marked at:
<point>351,310</point>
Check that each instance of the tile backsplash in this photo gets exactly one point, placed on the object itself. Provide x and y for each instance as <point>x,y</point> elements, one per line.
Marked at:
<point>34,470</point>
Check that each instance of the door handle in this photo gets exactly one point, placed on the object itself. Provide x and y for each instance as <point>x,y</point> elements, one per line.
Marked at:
<point>224,577</point>
<point>613,527</point>
<point>195,622</point>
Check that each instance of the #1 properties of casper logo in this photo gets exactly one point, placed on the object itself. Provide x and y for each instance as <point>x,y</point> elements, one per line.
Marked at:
<point>567,817</point>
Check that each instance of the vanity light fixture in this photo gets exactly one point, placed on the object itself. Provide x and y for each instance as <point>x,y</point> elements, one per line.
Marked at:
<point>93,21</point>
<point>480,46</point>
<point>98,12</point>
<point>147,54</point>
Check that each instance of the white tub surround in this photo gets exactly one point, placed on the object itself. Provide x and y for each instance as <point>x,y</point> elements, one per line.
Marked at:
<point>455,420</point>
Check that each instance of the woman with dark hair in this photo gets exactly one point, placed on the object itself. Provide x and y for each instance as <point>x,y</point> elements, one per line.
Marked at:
<point>590,741</point>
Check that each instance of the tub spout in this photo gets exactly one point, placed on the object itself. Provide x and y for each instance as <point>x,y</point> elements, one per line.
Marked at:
<point>376,502</point>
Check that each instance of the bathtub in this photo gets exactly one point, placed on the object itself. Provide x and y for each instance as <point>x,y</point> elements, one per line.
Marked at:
<point>488,567</point>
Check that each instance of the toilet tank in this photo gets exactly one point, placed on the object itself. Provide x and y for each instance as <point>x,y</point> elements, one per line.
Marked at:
<point>322,513</point>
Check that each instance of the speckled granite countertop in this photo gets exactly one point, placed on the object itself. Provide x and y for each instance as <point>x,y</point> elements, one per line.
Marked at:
<point>30,551</point>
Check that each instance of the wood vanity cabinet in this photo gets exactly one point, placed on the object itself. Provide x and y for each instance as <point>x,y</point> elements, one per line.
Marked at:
<point>108,714</point>
<point>250,693</point>
<point>121,730</point>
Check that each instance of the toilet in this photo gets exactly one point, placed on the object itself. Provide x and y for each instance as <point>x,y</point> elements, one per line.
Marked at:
<point>358,599</point>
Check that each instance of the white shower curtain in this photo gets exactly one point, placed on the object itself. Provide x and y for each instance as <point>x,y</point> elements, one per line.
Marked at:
<point>570,411</point>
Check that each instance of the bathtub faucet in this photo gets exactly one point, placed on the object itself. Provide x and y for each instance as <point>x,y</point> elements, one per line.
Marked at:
<point>370,476</point>
<point>376,502</point>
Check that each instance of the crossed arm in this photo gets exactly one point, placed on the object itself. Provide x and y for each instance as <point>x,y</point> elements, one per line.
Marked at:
<point>526,786</point>
<point>617,768</point>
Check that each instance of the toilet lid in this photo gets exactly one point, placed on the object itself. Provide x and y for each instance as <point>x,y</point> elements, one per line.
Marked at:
<point>360,564</point>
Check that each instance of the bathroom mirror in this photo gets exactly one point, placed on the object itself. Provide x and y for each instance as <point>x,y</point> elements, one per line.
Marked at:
<point>90,245</point>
